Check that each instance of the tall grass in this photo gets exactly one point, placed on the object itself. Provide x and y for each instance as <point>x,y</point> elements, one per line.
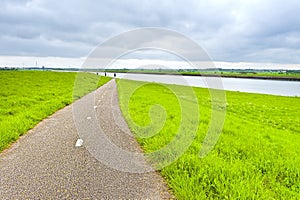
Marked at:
<point>27,97</point>
<point>256,156</point>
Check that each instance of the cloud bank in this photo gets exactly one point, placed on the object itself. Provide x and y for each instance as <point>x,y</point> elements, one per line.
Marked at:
<point>261,31</point>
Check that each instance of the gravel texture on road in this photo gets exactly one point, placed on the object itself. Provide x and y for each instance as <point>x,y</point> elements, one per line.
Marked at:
<point>45,164</point>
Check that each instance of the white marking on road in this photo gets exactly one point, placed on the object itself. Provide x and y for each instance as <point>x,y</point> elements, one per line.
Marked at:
<point>79,143</point>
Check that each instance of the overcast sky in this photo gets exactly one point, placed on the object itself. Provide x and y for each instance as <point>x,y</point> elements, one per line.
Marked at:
<point>252,31</point>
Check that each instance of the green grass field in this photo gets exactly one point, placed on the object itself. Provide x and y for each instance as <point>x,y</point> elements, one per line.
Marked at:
<point>27,97</point>
<point>256,157</point>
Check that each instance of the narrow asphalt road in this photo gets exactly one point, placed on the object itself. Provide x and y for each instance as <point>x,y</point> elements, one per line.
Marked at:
<point>45,164</point>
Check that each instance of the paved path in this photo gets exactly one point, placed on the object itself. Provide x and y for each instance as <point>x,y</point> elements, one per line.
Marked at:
<point>45,164</point>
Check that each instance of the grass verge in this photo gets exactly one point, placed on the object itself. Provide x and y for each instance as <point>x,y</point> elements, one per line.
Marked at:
<point>27,97</point>
<point>256,156</point>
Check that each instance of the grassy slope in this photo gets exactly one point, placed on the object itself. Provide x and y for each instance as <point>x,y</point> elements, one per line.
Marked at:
<point>267,74</point>
<point>257,154</point>
<point>27,97</point>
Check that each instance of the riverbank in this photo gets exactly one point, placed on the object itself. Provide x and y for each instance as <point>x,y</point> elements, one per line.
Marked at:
<point>286,75</point>
<point>279,78</point>
<point>260,77</point>
<point>281,88</point>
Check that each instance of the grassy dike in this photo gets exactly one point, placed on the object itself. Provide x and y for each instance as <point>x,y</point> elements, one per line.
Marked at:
<point>256,156</point>
<point>27,97</point>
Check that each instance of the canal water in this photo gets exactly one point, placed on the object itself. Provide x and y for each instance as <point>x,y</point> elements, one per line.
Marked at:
<point>274,87</point>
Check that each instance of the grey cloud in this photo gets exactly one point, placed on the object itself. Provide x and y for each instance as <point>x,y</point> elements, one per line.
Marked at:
<point>251,31</point>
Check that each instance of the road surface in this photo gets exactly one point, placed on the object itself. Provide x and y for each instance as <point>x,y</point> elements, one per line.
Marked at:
<point>45,164</point>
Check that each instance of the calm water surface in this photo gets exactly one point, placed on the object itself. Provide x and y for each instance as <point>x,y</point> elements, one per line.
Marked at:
<point>282,88</point>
